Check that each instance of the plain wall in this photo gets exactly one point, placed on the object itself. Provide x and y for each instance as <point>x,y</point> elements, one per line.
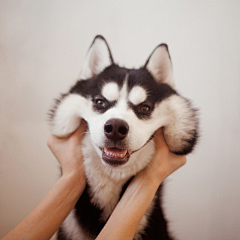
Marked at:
<point>42,47</point>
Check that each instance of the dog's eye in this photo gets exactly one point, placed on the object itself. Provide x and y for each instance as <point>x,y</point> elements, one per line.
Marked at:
<point>144,109</point>
<point>100,102</point>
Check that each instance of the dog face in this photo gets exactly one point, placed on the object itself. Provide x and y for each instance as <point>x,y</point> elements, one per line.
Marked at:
<point>124,107</point>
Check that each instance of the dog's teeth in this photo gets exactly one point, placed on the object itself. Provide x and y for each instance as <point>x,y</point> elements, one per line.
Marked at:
<point>111,153</point>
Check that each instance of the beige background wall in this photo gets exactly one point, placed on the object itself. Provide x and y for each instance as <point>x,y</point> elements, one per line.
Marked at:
<point>42,46</point>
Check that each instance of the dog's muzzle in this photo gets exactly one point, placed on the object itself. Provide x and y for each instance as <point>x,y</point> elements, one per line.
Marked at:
<point>114,154</point>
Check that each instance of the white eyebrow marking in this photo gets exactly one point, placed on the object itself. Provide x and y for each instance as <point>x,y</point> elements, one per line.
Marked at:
<point>137,95</point>
<point>110,91</point>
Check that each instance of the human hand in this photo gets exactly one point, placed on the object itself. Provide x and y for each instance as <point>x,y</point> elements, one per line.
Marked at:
<point>163,162</point>
<point>67,150</point>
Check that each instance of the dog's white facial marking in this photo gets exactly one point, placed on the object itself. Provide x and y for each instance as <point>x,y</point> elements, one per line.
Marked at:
<point>68,115</point>
<point>110,91</point>
<point>137,95</point>
<point>178,118</point>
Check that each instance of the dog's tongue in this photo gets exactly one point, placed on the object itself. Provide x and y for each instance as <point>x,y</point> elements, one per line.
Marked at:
<point>115,152</point>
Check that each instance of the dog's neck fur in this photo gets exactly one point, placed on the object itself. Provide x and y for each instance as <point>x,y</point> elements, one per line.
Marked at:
<point>106,182</point>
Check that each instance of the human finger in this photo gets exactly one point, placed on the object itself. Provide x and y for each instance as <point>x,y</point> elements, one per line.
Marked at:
<point>80,131</point>
<point>175,162</point>
<point>161,148</point>
<point>159,139</point>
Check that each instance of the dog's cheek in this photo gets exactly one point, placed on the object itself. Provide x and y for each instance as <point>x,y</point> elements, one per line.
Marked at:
<point>181,130</point>
<point>96,125</point>
<point>67,115</point>
<point>140,132</point>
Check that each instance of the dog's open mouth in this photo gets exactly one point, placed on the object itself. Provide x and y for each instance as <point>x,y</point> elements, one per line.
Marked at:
<point>115,156</point>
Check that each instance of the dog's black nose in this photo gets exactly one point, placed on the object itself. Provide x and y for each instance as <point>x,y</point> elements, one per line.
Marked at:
<point>116,129</point>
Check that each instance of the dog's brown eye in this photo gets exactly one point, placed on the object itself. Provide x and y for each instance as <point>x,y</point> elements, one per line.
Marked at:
<point>100,102</point>
<point>144,109</point>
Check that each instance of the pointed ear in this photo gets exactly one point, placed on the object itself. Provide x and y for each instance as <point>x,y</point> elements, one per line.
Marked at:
<point>160,66</point>
<point>98,58</point>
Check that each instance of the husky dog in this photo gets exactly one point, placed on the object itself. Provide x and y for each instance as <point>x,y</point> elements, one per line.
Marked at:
<point>123,108</point>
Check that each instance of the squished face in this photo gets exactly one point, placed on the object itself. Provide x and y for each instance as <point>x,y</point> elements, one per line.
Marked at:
<point>122,109</point>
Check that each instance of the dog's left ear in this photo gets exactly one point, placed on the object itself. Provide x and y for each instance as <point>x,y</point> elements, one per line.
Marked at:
<point>160,66</point>
<point>98,58</point>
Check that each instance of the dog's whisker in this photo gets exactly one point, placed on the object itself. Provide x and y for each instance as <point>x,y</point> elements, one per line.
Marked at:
<point>83,133</point>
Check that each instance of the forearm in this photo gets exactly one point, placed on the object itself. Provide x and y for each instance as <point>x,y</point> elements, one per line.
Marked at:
<point>47,217</point>
<point>128,213</point>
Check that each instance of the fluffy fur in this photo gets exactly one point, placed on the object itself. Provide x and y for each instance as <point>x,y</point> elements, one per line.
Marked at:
<point>123,108</point>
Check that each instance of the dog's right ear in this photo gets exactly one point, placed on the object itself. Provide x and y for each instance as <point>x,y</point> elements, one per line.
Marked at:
<point>98,58</point>
<point>160,66</point>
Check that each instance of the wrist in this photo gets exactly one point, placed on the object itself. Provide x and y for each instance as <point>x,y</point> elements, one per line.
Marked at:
<point>147,180</point>
<point>73,169</point>
<point>76,180</point>
<point>151,176</point>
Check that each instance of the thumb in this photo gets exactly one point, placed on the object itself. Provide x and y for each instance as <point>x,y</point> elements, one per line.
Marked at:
<point>81,130</point>
<point>159,139</point>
